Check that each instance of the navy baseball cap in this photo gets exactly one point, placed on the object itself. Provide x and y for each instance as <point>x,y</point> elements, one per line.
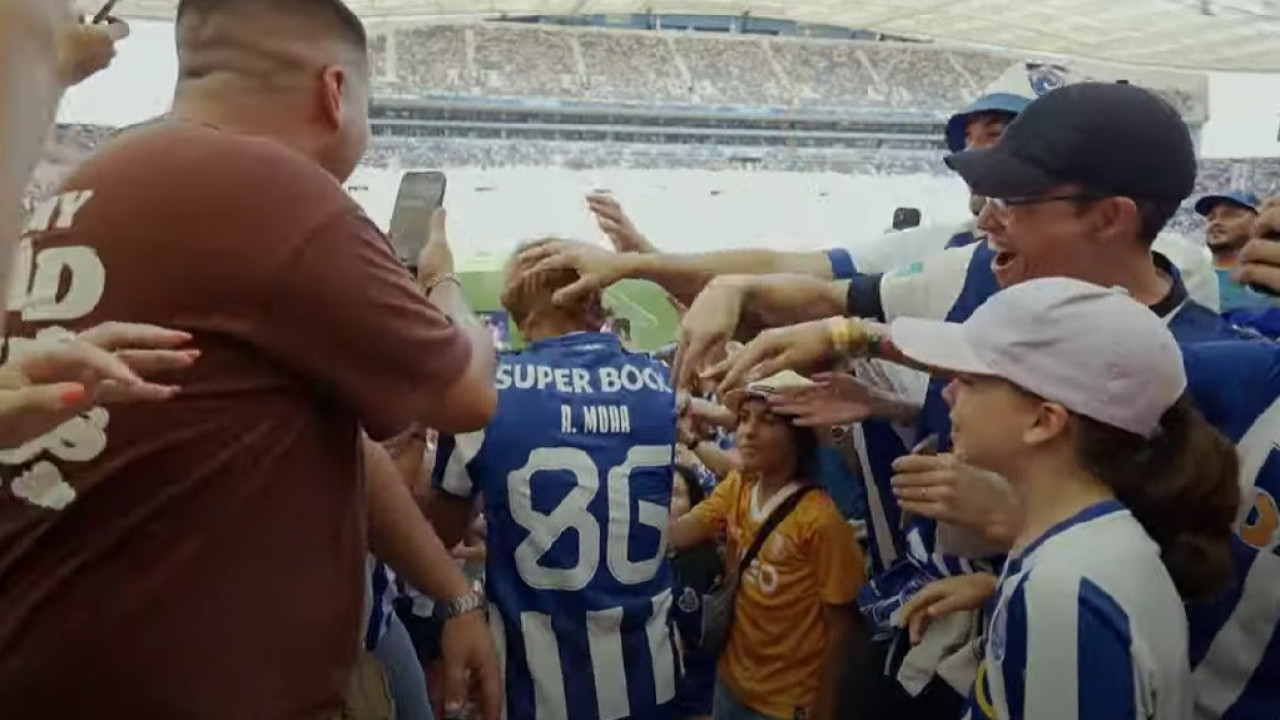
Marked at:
<point>1246,200</point>
<point>1000,102</point>
<point>1110,137</point>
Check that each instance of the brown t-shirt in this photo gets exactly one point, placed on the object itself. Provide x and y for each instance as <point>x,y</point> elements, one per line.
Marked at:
<point>204,557</point>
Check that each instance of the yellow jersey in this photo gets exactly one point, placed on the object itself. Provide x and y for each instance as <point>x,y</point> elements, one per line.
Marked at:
<point>774,657</point>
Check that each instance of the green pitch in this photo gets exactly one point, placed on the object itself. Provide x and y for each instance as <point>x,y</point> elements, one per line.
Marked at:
<point>653,321</point>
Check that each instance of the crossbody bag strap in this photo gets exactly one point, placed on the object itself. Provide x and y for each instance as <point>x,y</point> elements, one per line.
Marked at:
<point>775,518</point>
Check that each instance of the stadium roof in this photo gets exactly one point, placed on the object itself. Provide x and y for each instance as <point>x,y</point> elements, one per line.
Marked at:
<point>1232,35</point>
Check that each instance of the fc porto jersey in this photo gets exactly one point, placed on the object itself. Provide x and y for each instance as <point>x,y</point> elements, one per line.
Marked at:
<point>1234,379</point>
<point>1235,641</point>
<point>1078,634</point>
<point>576,474</point>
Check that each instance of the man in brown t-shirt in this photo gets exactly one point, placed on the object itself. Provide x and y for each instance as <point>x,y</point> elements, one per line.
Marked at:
<point>204,557</point>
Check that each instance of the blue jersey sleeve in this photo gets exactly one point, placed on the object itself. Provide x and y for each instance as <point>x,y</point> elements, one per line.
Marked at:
<point>842,265</point>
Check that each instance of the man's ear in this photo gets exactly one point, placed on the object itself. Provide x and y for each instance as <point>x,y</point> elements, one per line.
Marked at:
<point>333,89</point>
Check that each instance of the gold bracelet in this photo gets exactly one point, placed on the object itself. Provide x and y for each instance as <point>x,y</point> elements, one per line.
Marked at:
<point>841,334</point>
<point>436,281</point>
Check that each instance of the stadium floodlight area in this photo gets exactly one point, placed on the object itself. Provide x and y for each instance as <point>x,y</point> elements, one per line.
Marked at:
<point>1237,35</point>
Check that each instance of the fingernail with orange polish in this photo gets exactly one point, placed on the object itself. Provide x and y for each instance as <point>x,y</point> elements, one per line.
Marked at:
<point>74,395</point>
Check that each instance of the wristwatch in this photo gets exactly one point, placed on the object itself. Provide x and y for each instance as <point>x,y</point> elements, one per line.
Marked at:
<point>463,604</point>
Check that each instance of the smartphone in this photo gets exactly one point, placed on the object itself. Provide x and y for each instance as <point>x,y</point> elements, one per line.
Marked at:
<point>905,218</point>
<point>421,193</point>
<point>102,15</point>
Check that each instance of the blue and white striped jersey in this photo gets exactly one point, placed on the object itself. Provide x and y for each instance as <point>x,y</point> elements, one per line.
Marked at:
<point>576,474</point>
<point>1087,625</point>
<point>382,593</point>
<point>1234,646</point>
<point>1235,642</point>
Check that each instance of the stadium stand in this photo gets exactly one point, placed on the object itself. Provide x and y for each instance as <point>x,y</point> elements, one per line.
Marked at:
<point>692,69</point>
<point>493,95</point>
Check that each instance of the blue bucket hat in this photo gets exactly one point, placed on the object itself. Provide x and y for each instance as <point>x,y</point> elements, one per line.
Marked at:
<point>993,102</point>
<point>1246,200</point>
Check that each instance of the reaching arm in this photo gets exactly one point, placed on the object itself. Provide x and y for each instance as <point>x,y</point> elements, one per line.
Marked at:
<point>689,531</point>
<point>340,310</point>
<point>452,506</point>
<point>684,276</point>
<point>407,450</point>
<point>719,461</point>
<point>400,536</point>
<point>712,413</point>
<point>704,522</point>
<point>450,516</point>
<point>30,85</point>
<point>471,400</point>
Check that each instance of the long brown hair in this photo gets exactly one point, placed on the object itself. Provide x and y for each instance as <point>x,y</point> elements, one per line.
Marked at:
<point>1182,485</point>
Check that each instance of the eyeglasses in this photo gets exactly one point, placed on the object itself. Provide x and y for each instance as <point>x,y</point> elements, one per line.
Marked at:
<point>1002,205</point>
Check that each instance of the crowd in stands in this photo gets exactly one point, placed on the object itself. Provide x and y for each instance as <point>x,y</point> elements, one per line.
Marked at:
<point>569,64</point>
<point>637,67</point>
<point>426,152</point>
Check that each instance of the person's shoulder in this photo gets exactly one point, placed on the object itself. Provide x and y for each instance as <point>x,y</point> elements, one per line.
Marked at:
<point>1075,547</point>
<point>731,483</point>
<point>224,161</point>
<point>1069,561</point>
<point>818,510</point>
<point>1243,364</point>
<point>1196,323</point>
<point>184,138</point>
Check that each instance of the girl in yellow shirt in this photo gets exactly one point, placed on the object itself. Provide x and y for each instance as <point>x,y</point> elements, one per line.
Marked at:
<point>795,601</point>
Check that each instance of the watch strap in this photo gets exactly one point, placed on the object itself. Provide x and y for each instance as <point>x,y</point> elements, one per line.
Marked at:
<point>463,604</point>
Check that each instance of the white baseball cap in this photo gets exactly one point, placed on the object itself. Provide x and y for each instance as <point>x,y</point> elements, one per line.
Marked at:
<point>767,387</point>
<point>1096,351</point>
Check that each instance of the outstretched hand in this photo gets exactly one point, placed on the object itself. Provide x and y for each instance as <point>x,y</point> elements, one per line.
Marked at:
<point>85,50</point>
<point>52,380</point>
<point>614,223</point>
<point>834,399</point>
<point>943,597</point>
<point>597,268</point>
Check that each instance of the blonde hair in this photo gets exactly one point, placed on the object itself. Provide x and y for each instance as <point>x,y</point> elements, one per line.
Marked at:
<point>528,292</point>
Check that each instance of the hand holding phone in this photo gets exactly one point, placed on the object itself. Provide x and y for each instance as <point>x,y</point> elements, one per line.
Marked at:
<point>86,49</point>
<point>420,195</point>
<point>435,257</point>
<point>104,14</point>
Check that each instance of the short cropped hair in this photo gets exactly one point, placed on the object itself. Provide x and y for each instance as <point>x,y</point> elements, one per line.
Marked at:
<point>515,298</point>
<point>335,12</point>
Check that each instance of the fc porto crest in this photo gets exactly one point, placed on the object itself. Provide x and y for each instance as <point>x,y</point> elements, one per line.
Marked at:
<point>999,640</point>
<point>1046,78</point>
<point>688,601</point>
